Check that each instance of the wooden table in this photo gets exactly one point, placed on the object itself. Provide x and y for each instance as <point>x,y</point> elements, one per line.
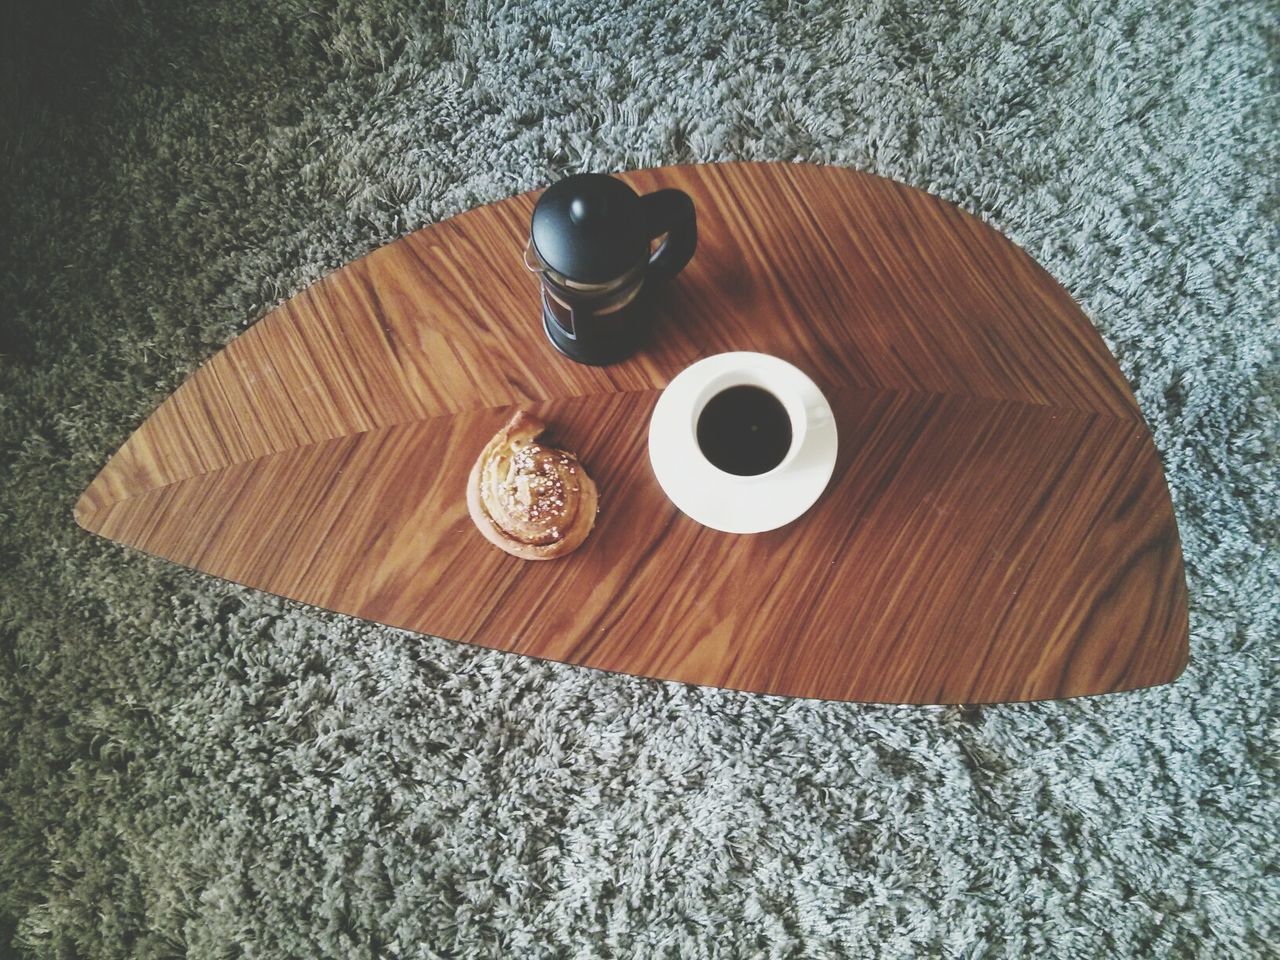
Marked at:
<point>997,526</point>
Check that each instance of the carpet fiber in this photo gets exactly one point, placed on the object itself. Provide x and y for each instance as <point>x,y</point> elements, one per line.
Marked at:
<point>194,769</point>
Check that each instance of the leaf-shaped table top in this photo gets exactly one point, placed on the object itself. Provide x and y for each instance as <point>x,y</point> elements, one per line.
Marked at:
<point>997,526</point>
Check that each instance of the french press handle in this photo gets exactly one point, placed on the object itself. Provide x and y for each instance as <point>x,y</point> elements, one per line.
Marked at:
<point>670,212</point>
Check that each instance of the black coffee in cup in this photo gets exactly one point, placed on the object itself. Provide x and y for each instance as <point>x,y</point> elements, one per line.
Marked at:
<point>744,430</point>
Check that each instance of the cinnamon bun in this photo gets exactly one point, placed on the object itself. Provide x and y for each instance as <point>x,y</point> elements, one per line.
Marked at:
<point>530,499</point>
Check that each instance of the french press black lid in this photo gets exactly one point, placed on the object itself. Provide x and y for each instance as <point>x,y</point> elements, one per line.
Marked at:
<point>590,229</point>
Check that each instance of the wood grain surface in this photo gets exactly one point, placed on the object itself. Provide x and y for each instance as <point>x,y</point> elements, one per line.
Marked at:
<point>997,526</point>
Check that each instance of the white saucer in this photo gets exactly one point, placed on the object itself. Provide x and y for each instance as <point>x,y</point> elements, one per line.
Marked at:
<point>722,500</point>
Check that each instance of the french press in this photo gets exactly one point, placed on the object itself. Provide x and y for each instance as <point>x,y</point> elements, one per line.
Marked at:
<point>590,242</point>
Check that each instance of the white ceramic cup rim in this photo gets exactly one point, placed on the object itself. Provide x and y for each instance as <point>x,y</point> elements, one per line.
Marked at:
<point>773,382</point>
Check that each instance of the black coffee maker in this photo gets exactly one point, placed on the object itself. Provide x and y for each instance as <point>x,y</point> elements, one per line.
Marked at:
<point>590,241</point>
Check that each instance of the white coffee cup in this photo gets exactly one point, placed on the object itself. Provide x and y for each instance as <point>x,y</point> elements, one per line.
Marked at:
<point>732,502</point>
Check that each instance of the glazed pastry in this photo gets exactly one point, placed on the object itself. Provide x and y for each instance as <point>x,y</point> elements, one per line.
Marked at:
<point>531,500</point>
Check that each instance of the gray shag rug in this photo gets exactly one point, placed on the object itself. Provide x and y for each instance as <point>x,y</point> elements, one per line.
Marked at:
<point>188,768</point>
